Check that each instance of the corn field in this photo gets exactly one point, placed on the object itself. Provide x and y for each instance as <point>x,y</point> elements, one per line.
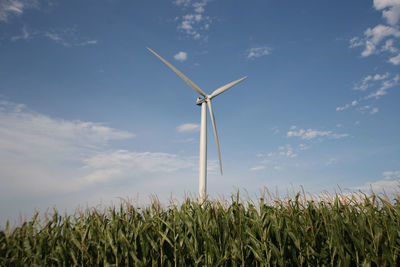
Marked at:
<point>344,231</point>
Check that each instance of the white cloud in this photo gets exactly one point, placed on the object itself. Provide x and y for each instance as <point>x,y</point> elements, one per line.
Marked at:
<point>386,84</point>
<point>46,148</point>
<point>287,151</point>
<point>89,42</point>
<point>364,84</point>
<point>374,110</point>
<point>342,107</point>
<point>364,108</point>
<point>372,40</point>
<point>378,77</point>
<point>380,32</point>
<point>369,81</point>
<point>381,185</point>
<point>381,4</point>
<point>390,10</point>
<point>256,52</point>
<point>199,6</point>
<point>44,156</point>
<point>390,183</point>
<point>389,46</point>
<point>311,134</point>
<point>395,60</point>
<point>277,160</point>
<point>258,168</point>
<point>373,37</point>
<point>195,23</point>
<point>353,104</point>
<point>182,2</point>
<point>181,56</point>
<point>188,128</point>
<point>391,175</point>
<point>10,8</point>
<point>355,42</point>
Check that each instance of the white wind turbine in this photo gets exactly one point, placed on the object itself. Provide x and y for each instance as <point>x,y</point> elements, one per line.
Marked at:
<point>201,101</point>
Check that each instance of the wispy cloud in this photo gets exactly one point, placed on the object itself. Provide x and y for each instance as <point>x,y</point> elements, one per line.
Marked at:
<point>66,37</point>
<point>188,128</point>
<point>287,151</point>
<point>380,82</point>
<point>25,35</point>
<point>275,130</point>
<point>9,8</point>
<point>288,155</point>
<point>387,84</point>
<point>391,175</point>
<point>368,108</point>
<point>258,168</point>
<point>352,104</point>
<point>278,159</point>
<point>312,134</point>
<point>341,108</point>
<point>186,140</point>
<point>181,56</point>
<point>374,110</point>
<point>109,166</point>
<point>195,23</point>
<point>256,52</point>
<point>330,162</point>
<point>304,147</point>
<point>369,81</point>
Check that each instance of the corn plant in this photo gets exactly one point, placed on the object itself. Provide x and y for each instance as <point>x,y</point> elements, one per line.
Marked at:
<point>340,231</point>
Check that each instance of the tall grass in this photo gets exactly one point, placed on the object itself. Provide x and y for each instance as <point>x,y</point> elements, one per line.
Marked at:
<point>341,231</point>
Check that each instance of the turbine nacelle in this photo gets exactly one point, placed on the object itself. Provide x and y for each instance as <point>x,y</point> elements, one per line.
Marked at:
<point>201,100</point>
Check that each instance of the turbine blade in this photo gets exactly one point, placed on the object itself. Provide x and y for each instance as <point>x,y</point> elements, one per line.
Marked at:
<point>225,87</point>
<point>180,74</point>
<point>215,133</point>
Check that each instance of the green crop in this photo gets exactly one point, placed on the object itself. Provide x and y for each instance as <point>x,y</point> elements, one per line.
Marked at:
<point>341,231</point>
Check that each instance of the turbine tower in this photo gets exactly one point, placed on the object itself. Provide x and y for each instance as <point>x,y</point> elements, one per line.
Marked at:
<point>203,101</point>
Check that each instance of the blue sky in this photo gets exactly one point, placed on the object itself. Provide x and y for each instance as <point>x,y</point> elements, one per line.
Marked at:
<point>88,115</point>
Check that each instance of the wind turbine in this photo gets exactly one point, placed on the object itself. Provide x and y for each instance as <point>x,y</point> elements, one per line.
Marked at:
<point>203,101</point>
